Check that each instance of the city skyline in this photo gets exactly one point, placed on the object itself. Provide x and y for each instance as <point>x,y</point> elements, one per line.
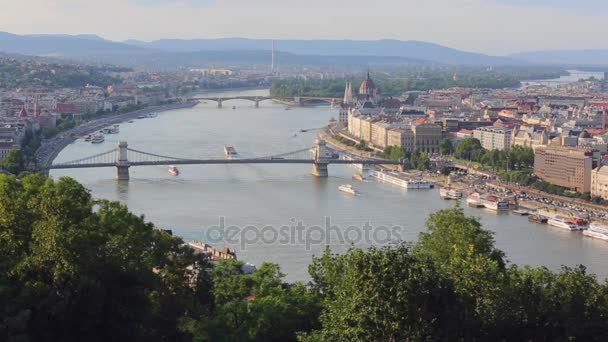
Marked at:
<point>495,27</point>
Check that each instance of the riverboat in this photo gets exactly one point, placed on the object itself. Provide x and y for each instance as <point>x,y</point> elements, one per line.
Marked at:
<point>87,138</point>
<point>597,231</point>
<point>537,219</point>
<point>98,139</point>
<point>349,189</point>
<point>400,179</point>
<point>481,200</point>
<point>448,193</point>
<point>567,223</point>
<point>230,152</point>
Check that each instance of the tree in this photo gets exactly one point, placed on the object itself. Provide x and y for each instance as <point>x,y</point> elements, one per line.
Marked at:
<point>446,147</point>
<point>424,162</point>
<point>71,273</point>
<point>467,149</point>
<point>13,162</point>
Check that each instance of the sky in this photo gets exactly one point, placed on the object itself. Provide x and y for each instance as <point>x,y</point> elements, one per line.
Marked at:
<point>496,27</point>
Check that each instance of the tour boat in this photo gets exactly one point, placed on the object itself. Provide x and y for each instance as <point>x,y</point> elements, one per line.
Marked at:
<point>141,116</point>
<point>400,179</point>
<point>597,231</point>
<point>488,201</point>
<point>97,139</point>
<point>450,194</point>
<point>348,189</point>
<point>522,212</point>
<point>87,137</point>
<point>537,219</point>
<point>566,223</point>
<point>230,152</point>
<point>173,171</point>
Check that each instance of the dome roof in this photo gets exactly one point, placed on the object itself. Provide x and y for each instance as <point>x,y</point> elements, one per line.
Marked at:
<point>368,87</point>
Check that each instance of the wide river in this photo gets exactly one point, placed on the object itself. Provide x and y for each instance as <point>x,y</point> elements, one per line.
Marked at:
<point>260,207</point>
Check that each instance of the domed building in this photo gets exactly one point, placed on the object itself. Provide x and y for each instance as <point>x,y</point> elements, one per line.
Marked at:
<point>368,90</point>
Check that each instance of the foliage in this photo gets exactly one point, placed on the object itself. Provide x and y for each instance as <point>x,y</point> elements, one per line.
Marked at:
<point>560,191</point>
<point>13,162</point>
<point>76,269</point>
<point>515,158</point>
<point>446,147</point>
<point>260,307</point>
<point>452,285</point>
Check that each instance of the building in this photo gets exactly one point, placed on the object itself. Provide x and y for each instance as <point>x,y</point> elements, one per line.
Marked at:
<point>599,182</point>
<point>529,137</point>
<point>493,138</point>
<point>567,167</point>
<point>402,137</point>
<point>368,90</point>
<point>427,137</point>
<point>379,137</point>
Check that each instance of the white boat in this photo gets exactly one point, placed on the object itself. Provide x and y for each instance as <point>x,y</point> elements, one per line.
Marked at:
<point>87,138</point>
<point>597,231</point>
<point>450,194</point>
<point>173,171</point>
<point>98,139</point>
<point>401,179</point>
<point>230,152</point>
<point>151,115</point>
<point>348,189</point>
<point>488,201</point>
<point>564,223</point>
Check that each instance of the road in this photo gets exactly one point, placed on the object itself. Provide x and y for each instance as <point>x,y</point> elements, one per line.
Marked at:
<point>50,148</point>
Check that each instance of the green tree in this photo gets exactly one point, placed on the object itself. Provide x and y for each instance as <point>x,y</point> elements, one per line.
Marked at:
<point>467,149</point>
<point>446,147</point>
<point>13,162</point>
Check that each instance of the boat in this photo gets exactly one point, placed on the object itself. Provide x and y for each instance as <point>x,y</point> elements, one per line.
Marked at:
<point>448,193</point>
<point>98,139</point>
<point>230,152</point>
<point>141,116</point>
<point>522,212</point>
<point>287,108</point>
<point>151,115</point>
<point>537,219</point>
<point>233,107</point>
<point>358,177</point>
<point>130,121</point>
<point>597,231</point>
<point>87,137</point>
<point>565,223</point>
<point>173,171</point>
<point>482,200</point>
<point>348,189</point>
<point>401,179</point>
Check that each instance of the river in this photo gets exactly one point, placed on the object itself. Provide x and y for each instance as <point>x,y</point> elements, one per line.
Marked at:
<point>264,204</point>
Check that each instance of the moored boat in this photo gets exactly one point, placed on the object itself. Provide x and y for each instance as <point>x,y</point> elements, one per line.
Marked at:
<point>537,219</point>
<point>565,223</point>
<point>401,179</point>
<point>597,231</point>
<point>348,189</point>
<point>97,139</point>
<point>87,137</point>
<point>358,177</point>
<point>488,201</point>
<point>448,193</point>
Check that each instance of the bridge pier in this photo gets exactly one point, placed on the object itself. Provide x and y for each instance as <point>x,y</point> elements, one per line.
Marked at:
<point>257,103</point>
<point>219,103</point>
<point>320,170</point>
<point>122,164</point>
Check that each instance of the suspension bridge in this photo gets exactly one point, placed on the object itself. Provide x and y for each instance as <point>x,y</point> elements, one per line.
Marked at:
<point>123,157</point>
<point>291,101</point>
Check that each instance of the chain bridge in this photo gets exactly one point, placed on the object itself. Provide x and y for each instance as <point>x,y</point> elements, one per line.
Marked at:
<point>291,101</point>
<point>123,157</point>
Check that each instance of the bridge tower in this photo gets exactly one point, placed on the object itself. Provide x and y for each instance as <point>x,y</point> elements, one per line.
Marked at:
<point>319,168</point>
<point>122,164</point>
<point>219,102</point>
<point>257,103</point>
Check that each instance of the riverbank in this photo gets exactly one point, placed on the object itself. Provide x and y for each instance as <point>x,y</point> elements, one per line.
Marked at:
<point>50,148</point>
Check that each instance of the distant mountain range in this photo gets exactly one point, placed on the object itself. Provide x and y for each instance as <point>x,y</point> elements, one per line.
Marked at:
<point>170,53</point>
<point>565,57</point>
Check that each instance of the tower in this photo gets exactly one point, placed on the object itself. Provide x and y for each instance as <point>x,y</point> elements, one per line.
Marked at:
<point>348,94</point>
<point>272,61</point>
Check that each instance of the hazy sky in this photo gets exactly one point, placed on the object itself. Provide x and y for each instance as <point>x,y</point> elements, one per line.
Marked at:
<point>490,26</point>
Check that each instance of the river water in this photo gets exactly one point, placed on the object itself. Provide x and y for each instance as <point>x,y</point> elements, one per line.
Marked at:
<point>280,213</point>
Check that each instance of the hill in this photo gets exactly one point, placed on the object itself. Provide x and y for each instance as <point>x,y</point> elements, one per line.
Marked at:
<point>565,57</point>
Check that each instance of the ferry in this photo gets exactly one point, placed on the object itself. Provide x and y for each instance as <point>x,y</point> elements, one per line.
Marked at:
<point>567,223</point>
<point>173,171</point>
<point>597,231</point>
<point>348,189</point>
<point>488,201</point>
<point>450,194</point>
<point>97,139</point>
<point>400,179</point>
<point>537,219</point>
<point>87,137</point>
<point>230,152</point>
